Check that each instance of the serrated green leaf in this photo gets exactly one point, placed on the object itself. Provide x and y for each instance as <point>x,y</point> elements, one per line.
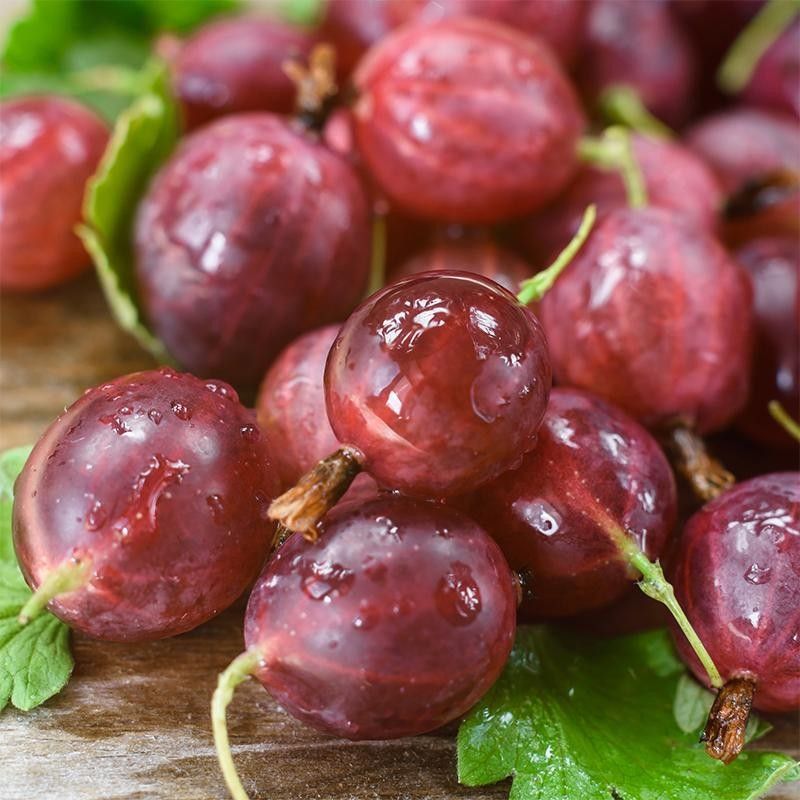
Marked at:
<point>11,463</point>
<point>143,137</point>
<point>691,705</point>
<point>573,717</point>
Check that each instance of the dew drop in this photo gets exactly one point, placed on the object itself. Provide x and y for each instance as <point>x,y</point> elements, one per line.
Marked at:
<point>96,516</point>
<point>325,580</point>
<point>155,416</point>
<point>458,597</point>
<point>217,507</point>
<point>223,390</point>
<point>116,423</point>
<point>250,433</point>
<point>757,574</point>
<point>180,410</point>
<point>368,616</point>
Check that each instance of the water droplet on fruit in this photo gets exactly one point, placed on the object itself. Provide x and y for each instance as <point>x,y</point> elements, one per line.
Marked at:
<point>539,515</point>
<point>155,416</point>
<point>96,516</point>
<point>223,390</point>
<point>325,580</point>
<point>757,574</point>
<point>180,410</point>
<point>368,616</point>
<point>214,502</point>
<point>116,423</point>
<point>168,372</point>
<point>250,433</point>
<point>420,128</point>
<point>458,598</point>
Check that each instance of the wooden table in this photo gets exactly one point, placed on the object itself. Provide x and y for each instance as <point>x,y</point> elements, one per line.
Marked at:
<point>134,720</point>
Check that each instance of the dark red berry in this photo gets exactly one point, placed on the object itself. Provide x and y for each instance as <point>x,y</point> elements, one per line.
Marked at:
<point>594,475</point>
<point>152,493</point>
<point>654,316</point>
<point>465,121</point>
<point>774,265</point>
<point>440,381</point>
<point>250,235</point>
<point>638,44</point>
<point>49,148</point>
<point>737,576</point>
<point>775,81</point>
<point>234,65</point>
<point>674,178</point>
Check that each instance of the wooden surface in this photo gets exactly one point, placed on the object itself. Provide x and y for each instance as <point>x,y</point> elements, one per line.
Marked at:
<point>134,721</point>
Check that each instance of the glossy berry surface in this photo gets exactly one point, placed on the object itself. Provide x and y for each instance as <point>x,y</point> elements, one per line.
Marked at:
<point>674,178</point>
<point>654,316</point>
<point>737,576</point>
<point>774,266</point>
<point>441,381</point>
<point>593,468</point>
<point>251,234</point>
<point>160,483</point>
<point>479,257</point>
<point>395,622</point>
<point>235,65</point>
<point>775,80</point>
<point>638,44</point>
<point>466,121</point>
<point>49,148</point>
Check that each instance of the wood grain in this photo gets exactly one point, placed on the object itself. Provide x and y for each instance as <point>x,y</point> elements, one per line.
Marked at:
<point>134,723</point>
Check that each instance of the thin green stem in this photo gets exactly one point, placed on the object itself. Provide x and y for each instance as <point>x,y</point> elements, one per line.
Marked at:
<point>766,26</point>
<point>614,151</point>
<point>535,288</point>
<point>65,578</point>
<point>238,670</point>
<point>108,78</point>
<point>781,416</point>
<point>377,270</point>
<point>622,105</point>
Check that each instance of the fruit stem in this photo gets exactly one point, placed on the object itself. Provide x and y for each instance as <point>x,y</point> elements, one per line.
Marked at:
<point>241,668</point>
<point>535,288</point>
<point>66,577</point>
<point>725,730</point>
<point>377,270</point>
<point>765,28</point>
<point>707,476</point>
<point>655,585</point>
<point>316,84</point>
<point>781,416</point>
<point>106,78</point>
<point>301,507</point>
<point>614,151</point>
<point>622,105</point>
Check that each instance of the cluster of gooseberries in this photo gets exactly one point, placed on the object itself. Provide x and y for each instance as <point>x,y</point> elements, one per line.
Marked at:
<point>411,480</point>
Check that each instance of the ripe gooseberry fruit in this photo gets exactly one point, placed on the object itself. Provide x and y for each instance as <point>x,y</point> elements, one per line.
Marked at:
<point>674,178</point>
<point>234,65</point>
<point>660,321</point>
<point>141,512</point>
<point>465,120</point>
<point>737,574</point>
<point>355,634</point>
<point>49,148</point>
<point>640,46</point>
<point>774,266</point>
<point>251,234</point>
<point>585,513</point>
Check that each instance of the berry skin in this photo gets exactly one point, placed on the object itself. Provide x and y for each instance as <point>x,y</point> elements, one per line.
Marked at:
<point>464,120</point>
<point>49,148</point>
<point>357,632</point>
<point>655,317</point>
<point>593,469</point>
<point>774,266</point>
<point>251,234</point>
<point>674,178</point>
<point>235,65</point>
<point>777,75</point>
<point>157,486</point>
<point>440,381</point>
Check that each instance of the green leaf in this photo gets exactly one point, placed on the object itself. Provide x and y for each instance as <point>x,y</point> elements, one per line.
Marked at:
<point>143,137</point>
<point>35,660</point>
<point>691,705</point>
<point>302,12</point>
<point>573,717</point>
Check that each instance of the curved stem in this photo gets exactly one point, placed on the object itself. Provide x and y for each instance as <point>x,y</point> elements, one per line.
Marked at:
<point>781,416</point>
<point>377,270</point>
<point>766,26</point>
<point>301,507</point>
<point>535,288</point>
<point>238,670</point>
<point>726,729</point>
<point>67,577</point>
<point>707,477</point>
<point>622,105</point>
<point>316,84</point>
<point>614,151</point>
<point>655,585</point>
